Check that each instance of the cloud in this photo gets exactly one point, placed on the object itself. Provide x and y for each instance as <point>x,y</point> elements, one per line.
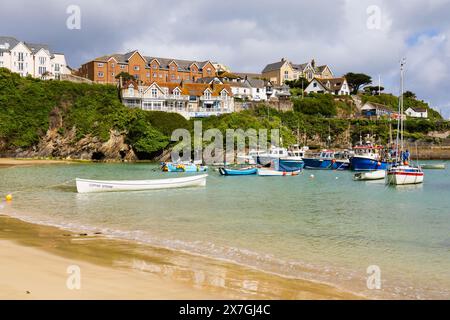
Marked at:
<point>246,35</point>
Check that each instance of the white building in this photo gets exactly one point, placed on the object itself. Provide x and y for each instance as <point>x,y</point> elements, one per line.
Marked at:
<point>335,86</point>
<point>31,59</point>
<point>417,112</point>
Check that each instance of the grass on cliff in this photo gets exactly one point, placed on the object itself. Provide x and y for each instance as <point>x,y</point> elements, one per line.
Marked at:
<point>29,107</point>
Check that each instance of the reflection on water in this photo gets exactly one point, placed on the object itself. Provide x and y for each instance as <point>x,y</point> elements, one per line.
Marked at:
<point>329,228</point>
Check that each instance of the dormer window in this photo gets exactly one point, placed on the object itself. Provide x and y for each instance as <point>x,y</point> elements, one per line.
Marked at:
<point>131,90</point>
<point>176,93</point>
<point>155,66</point>
<point>207,95</point>
<point>154,93</point>
<point>224,94</point>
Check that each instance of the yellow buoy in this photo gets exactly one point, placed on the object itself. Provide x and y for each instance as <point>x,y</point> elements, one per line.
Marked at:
<point>8,197</point>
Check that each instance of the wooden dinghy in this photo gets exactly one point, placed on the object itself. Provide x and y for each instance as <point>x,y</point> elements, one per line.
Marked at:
<point>88,186</point>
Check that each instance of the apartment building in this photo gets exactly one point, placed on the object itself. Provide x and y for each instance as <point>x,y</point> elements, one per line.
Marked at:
<point>36,60</point>
<point>192,100</point>
<point>145,69</point>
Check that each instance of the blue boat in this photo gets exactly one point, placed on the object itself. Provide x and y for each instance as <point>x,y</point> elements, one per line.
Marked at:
<point>342,160</point>
<point>237,172</point>
<point>290,164</point>
<point>182,167</point>
<point>368,158</point>
<point>324,161</point>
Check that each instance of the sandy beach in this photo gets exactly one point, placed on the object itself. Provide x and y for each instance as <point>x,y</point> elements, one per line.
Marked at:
<point>35,261</point>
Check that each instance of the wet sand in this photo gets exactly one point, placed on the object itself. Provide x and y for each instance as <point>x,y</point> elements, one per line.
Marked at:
<point>35,261</point>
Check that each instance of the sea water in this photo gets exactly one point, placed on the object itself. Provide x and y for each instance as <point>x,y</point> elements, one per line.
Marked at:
<point>320,226</point>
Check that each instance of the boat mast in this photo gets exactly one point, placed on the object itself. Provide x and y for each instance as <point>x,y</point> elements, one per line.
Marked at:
<point>402,64</point>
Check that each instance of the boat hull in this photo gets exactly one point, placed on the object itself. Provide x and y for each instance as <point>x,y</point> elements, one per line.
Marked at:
<point>291,165</point>
<point>90,186</point>
<point>318,164</point>
<point>402,178</point>
<point>370,175</point>
<point>237,172</point>
<point>275,173</point>
<point>170,167</point>
<point>367,164</point>
<point>341,165</point>
<point>439,166</point>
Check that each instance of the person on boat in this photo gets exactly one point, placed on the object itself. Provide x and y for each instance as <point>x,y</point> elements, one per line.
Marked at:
<point>406,156</point>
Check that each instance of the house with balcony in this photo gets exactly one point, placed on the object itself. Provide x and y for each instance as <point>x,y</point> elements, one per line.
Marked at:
<point>31,59</point>
<point>191,100</point>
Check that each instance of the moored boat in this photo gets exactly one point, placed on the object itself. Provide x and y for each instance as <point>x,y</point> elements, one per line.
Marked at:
<point>323,161</point>
<point>89,186</point>
<point>370,175</point>
<point>404,174</point>
<point>237,172</point>
<point>275,173</point>
<point>433,166</point>
<point>182,167</point>
<point>367,158</point>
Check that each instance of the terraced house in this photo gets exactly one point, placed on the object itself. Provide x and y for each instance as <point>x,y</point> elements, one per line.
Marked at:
<point>31,59</point>
<point>284,70</point>
<point>145,69</point>
<point>191,100</point>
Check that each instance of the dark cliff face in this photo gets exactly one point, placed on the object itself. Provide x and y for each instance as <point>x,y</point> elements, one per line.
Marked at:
<point>65,146</point>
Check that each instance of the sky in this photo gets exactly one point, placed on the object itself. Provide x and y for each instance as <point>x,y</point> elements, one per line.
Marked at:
<point>367,36</point>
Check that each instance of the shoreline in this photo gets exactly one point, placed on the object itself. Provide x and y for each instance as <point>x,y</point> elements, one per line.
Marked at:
<point>37,257</point>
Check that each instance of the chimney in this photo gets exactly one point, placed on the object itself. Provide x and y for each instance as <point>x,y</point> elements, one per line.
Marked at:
<point>283,59</point>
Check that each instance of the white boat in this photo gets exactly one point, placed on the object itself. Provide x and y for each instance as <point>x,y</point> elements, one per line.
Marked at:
<point>273,173</point>
<point>400,175</point>
<point>370,175</point>
<point>272,154</point>
<point>433,166</point>
<point>87,186</point>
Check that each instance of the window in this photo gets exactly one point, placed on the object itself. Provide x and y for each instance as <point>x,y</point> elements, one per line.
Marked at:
<point>122,66</point>
<point>57,67</point>
<point>176,93</point>
<point>286,75</point>
<point>113,74</point>
<point>154,93</point>
<point>130,90</point>
<point>20,66</point>
<point>100,74</point>
<point>155,66</point>
<point>207,95</point>
<point>136,68</point>
<point>136,76</point>
<point>42,60</point>
<point>1,63</point>
<point>155,75</point>
<point>172,77</point>
<point>100,65</point>
<point>160,75</point>
<point>1,54</point>
<point>224,94</point>
<point>112,65</point>
<point>172,68</point>
<point>208,71</point>
<point>20,58</point>
<point>42,70</point>
<point>257,90</point>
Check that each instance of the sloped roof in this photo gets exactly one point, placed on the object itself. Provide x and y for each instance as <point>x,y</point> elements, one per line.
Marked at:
<point>7,43</point>
<point>418,109</point>
<point>256,83</point>
<point>274,66</point>
<point>238,84</point>
<point>335,83</point>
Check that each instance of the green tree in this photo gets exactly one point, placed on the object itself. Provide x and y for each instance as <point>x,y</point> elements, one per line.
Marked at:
<point>357,80</point>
